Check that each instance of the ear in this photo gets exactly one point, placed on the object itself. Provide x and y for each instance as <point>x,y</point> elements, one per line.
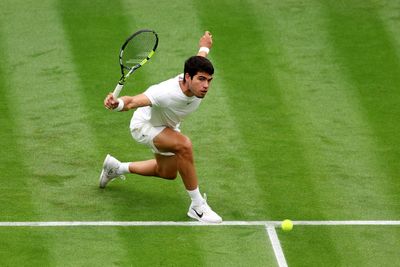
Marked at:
<point>187,76</point>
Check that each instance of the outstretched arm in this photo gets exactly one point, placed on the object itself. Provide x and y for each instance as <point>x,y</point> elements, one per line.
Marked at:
<point>129,102</point>
<point>205,44</point>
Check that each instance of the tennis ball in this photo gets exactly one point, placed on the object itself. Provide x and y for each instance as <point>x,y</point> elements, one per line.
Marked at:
<point>287,225</point>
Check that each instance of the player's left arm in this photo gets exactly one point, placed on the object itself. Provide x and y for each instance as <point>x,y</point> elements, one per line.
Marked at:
<point>205,44</point>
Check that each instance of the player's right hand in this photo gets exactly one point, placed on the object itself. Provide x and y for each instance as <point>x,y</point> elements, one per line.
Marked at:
<point>110,102</point>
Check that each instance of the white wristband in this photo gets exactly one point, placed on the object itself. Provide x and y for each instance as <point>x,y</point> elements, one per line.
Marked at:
<point>204,49</point>
<point>120,105</point>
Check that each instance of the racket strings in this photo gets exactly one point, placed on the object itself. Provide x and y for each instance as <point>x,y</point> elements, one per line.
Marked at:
<point>138,49</point>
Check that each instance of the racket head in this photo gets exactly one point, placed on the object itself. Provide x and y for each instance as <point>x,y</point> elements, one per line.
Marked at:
<point>137,50</point>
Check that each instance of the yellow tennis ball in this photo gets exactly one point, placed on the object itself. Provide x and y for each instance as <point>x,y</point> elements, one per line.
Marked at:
<point>287,225</point>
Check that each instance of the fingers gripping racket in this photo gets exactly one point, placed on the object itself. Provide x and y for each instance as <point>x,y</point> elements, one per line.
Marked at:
<point>135,52</point>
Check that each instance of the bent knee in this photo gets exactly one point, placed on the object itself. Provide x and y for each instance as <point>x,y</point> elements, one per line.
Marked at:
<point>185,146</point>
<point>169,174</point>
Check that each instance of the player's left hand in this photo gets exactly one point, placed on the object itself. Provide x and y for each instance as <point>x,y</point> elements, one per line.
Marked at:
<point>206,40</point>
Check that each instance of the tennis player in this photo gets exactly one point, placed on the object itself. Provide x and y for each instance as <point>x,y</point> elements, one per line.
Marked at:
<point>155,123</point>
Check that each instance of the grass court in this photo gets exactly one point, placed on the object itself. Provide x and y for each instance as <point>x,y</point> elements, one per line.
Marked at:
<point>301,122</point>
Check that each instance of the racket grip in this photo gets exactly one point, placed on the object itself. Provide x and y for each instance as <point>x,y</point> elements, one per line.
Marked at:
<point>117,90</point>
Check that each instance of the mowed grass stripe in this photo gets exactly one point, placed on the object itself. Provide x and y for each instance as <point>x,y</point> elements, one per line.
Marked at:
<point>12,168</point>
<point>15,192</point>
<point>95,50</point>
<point>388,12</point>
<point>371,63</point>
<point>48,114</point>
<point>337,137</point>
<point>57,144</point>
<point>285,74</point>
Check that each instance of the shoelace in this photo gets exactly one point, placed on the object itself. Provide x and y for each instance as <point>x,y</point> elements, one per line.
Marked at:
<point>120,176</point>
<point>204,207</point>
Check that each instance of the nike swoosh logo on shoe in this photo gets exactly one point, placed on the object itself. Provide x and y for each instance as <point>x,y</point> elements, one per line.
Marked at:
<point>198,214</point>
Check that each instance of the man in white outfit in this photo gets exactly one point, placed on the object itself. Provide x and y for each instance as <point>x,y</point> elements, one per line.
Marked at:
<point>155,123</point>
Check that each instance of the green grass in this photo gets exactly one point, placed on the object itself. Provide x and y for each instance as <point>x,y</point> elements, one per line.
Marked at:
<point>341,246</point>
<point>154,246</point>
<point>300,123</point>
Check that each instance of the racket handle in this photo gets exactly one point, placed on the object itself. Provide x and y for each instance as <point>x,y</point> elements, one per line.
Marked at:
<point>117,90</point>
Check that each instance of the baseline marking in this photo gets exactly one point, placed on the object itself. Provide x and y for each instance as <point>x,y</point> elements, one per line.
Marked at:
<point>190,223</point>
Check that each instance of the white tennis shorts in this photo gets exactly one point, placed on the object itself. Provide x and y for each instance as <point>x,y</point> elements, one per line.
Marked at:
<point>144,133</point>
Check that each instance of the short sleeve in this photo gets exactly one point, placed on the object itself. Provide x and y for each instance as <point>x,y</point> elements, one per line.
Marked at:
<point>157,95</point>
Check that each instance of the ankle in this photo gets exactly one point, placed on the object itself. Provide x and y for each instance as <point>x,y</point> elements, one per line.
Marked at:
<point>196,197</point>
<point>123,168</point>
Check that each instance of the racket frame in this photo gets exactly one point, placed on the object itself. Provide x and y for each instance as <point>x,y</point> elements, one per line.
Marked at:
<point>124,76</point>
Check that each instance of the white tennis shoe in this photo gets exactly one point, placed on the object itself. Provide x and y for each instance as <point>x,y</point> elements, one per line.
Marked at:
<point>110,171</point>
<point>203,213</point>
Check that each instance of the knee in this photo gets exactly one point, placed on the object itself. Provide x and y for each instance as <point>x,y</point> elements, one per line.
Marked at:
<point>167,172</point>
<point>185,147</point>
<point>168,175</point>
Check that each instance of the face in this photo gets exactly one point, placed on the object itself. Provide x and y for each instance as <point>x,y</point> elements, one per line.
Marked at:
<point>200,83</point>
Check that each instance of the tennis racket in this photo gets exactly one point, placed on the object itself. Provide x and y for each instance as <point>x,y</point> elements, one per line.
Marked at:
<point>135,52</point>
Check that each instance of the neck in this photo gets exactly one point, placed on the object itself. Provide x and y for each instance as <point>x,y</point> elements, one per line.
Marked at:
<point>185,88</point>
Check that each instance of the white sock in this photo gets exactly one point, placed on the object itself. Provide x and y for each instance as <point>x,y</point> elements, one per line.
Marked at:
<point>123,168</point>
<point>196,197</point>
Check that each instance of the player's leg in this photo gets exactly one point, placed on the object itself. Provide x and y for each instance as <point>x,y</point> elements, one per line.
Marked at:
<point>162,166</point>
<point>179,158</point>
<point>166,166</point>
<point>172,141</point>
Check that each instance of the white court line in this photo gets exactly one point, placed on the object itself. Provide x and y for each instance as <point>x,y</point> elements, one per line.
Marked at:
<point>276,245</point>
<point>133,223</point>
<point>353,222</point>
<point>192,223</point>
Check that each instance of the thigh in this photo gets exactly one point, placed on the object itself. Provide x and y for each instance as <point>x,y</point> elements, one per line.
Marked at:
<point>145,133</point>
<point>170,140</point>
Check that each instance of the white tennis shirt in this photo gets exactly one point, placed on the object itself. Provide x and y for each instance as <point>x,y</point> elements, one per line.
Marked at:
<point>169,105</point>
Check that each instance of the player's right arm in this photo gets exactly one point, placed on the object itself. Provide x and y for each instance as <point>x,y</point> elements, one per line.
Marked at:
<point>130,102</point>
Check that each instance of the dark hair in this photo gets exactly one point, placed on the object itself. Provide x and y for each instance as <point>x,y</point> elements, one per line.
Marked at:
<point>196,64</point>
